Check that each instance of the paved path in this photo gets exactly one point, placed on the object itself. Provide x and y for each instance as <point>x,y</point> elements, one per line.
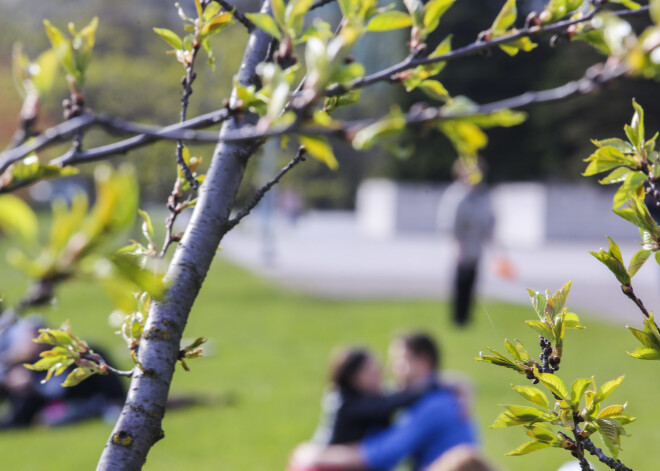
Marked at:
<point>325,255</point>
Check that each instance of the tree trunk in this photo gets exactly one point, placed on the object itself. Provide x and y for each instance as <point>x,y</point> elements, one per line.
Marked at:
<point>139,425</point>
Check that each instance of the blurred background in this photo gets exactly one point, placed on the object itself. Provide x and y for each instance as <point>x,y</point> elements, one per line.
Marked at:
<point>351,256</point>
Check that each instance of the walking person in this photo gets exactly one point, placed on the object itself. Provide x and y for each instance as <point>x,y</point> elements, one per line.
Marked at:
<point>467,209</point>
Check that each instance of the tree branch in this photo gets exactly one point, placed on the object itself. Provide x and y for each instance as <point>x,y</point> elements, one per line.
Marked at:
<point>579,450</point>
<point>630,293</point>
<point>139,425</point>
<point>105,366</point>
<point>241,18</point>
<point>258,196</point>
<point>594,78</point>
<point>616,465</point>
<point>389,74</point>
<point>52,135</point>
<point>319,4</point>
<point>147,135</point>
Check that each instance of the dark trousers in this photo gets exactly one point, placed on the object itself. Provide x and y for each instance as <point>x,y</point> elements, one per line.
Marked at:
<point>466,275</point>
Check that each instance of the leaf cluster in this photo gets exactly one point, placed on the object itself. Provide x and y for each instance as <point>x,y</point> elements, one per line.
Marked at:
<point>210,20</point>
<point>80,243</point>
<point>67,350</point>
<point>74,52</point>
<point>553,321</point>
<point>578,410</point>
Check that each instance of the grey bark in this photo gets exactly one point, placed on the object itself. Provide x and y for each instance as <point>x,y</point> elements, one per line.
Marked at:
<point>139,425</point>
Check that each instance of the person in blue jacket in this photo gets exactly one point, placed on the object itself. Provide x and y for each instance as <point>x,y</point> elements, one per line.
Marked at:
<point>436,423</point>
<point>356,404</point>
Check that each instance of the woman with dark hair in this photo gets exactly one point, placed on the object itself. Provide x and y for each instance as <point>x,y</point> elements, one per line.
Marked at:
<point>356,405</point>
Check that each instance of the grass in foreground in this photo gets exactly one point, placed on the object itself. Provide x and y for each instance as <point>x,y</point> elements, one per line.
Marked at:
<point>269,348</point>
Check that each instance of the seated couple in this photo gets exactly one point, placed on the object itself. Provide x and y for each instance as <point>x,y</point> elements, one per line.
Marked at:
<point>434,431</point>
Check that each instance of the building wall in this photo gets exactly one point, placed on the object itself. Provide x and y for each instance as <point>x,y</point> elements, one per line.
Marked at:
<point>527,213</point>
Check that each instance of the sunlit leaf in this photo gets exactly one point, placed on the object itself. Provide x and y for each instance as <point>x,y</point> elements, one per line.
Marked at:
<point>528,447</point>
<point>606,389</point>
<point>553,383</point>
<point>578,389</point>
<point>170,37</point>
<point>77,376</point>
<point>319,148</point>
<point>265,22</point>
<point>433,12</point>
<point>17,218</point>
<point>389,20</point>
<point>533,395</point>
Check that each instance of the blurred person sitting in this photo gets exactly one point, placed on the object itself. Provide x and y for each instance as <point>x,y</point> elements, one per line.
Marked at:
<point>434,424</point>
<point>356,404</point>
<point>466,209</point>
<point>32,402</point>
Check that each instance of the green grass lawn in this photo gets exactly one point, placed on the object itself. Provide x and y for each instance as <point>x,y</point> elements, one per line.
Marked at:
<point>269,349</point>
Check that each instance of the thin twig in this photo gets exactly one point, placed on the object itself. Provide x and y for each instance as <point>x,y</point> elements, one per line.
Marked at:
<point>27,119</point>
<point>104,366</point>
<point>389,74</point>
<point>630,293</point>
<point>48,137</point>
<point>175,133</point>
<point>319,4</point>
<point>187,82</point>
<point>173,200</point>
<point>579,451</point>
<point>237,14</point>
<point>258,196</point>
<point>616,465</point>
<point>147,135</point>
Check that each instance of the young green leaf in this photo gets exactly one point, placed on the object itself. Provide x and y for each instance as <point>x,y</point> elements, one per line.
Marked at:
<point>170,37</point>
<point>434,89</point>
<point>278,8</point>
<point>62,46</point>
<point>542,329</point>
<point>637,123</point>
<point>389,20</point>
<point>77,376</point>
<point>505,18</point>
<point>533,395</point>
<point>512,349</point>
<point>655,10</point>
<point>558,300</point>
<point>610,435</point>
<point>389,125</point>
<point>433,12</point>
<point>572,321</point>
<point>578,388</point>
<point>541,432</point>
<point>612,411</point>
<point>553,383</point>
<point>645,353</point>
<point>614,265</point>
<point>607,389</point>
<point>17,218</point>
<point>637,261</point>
<point>319,148</point>
<point>147,227</point>
<point>265,22</point>
<point>528,447</point>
